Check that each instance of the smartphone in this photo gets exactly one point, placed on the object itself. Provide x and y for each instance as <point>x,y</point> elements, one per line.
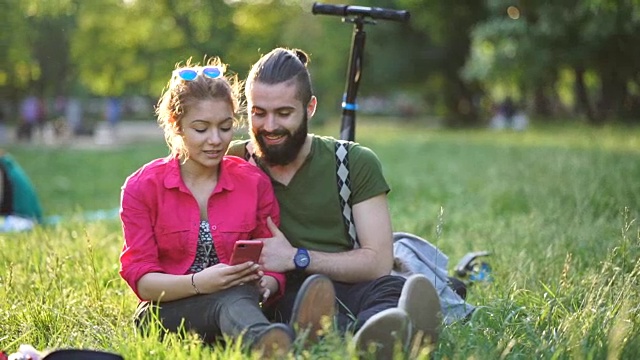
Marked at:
<point>246,250</point>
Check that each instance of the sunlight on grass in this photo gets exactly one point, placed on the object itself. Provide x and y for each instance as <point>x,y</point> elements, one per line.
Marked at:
<point>557,207</point>
<point>565,135</point>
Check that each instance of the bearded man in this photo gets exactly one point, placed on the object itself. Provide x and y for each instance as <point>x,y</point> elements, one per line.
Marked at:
<point>312,245</point>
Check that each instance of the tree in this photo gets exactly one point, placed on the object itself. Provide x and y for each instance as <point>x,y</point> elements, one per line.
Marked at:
<point>34,46</point>
<point>533,44</point>
<point>131,47</point>
<point>16,63</point>
<point>448,25</point>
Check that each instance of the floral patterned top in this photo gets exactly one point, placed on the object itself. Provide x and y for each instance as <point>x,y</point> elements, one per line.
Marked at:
<point>206,254</point>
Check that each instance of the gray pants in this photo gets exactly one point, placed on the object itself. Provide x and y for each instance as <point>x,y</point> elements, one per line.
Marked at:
<point>231,312</point>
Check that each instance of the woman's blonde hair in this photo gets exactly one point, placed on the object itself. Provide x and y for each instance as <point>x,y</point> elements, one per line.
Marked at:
<point>179,95</point>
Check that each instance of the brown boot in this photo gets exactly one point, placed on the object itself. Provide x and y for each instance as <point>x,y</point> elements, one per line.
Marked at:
<point>315,303</point>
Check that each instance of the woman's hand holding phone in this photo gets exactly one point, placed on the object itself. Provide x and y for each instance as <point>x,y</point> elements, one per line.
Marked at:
<point>222,276</point>
<point>243,268</point>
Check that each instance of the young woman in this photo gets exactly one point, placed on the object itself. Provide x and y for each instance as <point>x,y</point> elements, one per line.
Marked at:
<point>182,214</point>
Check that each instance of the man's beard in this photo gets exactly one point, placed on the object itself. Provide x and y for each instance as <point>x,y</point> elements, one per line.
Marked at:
<point>281,154</point>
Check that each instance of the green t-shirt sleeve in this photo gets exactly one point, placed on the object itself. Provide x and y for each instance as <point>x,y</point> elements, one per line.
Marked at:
<point>238,148</point>
<point>367,177</point>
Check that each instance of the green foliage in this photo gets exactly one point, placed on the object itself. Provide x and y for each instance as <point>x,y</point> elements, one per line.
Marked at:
<point>141,41</point>
<point>565,56</point>
<point>15,65</point>
<point>115,47</point>
<point>528,46</point>
<point>556,206</point>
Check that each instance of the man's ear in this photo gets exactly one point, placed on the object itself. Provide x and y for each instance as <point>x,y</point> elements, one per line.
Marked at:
<point>311,107</point>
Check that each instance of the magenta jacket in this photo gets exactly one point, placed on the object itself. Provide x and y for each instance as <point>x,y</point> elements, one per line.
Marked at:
<point>161,219</point>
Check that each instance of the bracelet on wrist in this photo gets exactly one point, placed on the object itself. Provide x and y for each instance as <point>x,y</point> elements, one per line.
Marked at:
<point>193,283</point>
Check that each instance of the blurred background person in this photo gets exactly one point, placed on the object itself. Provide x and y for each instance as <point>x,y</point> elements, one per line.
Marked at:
<point>19,204</point>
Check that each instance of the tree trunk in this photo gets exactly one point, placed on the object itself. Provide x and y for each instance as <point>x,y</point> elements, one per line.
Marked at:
<point>613,94</point>
<point>461,108</point>
<point>583,104</point>
<point>541,104</point>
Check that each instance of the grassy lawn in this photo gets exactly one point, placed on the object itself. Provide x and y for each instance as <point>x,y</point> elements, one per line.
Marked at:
<point>556,206</point>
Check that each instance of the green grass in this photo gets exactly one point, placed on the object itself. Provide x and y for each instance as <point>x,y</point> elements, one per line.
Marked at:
<point>556,206</point>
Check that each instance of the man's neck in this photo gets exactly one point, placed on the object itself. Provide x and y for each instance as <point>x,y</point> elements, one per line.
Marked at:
<point>284,173</point>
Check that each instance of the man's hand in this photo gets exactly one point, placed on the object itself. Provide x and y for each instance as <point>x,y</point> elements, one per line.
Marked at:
<point>267,285</point>
<point>277,253</point>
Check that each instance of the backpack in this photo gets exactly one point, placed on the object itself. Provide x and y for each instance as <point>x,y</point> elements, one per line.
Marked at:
<point>412,254</point>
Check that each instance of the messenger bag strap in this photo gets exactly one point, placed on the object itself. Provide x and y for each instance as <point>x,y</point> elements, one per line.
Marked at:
<point>344,189</point>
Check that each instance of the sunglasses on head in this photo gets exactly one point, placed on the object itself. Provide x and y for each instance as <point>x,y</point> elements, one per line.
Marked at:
<point>191,73</point>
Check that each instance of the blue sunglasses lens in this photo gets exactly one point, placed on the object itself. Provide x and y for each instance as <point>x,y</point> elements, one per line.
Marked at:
<point>188,74</point>
<point>212,72</point>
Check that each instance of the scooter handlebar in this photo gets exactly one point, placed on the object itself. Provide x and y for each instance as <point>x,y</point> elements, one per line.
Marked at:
<point>349,10</point>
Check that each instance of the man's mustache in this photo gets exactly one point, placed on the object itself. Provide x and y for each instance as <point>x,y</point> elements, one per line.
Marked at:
<point>279,132</point>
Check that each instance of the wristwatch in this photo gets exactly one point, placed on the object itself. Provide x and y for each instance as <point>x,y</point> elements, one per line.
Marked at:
<point>301,260</point>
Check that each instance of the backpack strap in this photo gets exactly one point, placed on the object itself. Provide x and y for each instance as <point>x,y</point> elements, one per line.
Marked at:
<point>344,189</point>
<point>249,155</point>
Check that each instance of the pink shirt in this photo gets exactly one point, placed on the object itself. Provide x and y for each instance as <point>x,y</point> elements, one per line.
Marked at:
<point>161,219</point>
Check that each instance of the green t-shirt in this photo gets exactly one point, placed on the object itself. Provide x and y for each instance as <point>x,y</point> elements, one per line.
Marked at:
<point>310,213</point>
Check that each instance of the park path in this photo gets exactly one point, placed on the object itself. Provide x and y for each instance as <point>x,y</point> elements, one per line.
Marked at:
<point>126,132</point>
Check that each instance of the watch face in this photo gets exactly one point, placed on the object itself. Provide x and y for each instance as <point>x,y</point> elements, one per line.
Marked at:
<point>301,260</point>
